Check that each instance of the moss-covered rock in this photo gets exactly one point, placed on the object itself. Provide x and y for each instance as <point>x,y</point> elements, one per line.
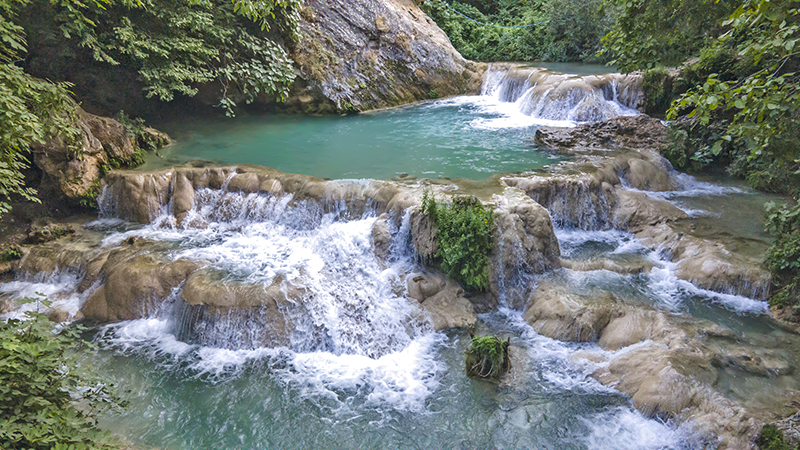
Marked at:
<point>487,358</point>
<point>71,172</point>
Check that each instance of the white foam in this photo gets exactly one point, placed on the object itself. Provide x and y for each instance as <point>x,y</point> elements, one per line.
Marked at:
<point>402,380</point>
<point>502,115</point>
<point>687,186</point>
<point>670,290</point>
<point>570,239</point>
<point>58,288</point>
<point>621,428</point>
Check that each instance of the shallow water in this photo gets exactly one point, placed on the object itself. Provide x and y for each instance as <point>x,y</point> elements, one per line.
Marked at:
<point>447,138</point>
<point>469,137</point>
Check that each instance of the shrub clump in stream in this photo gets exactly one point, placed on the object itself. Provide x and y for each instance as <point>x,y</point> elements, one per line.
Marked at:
<point>464,241</point>
<point>487,357</point>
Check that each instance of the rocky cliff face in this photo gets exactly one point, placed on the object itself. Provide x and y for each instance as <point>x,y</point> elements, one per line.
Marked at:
<point>352,56</point>
<point>367,54</point>
<point>72,172</point>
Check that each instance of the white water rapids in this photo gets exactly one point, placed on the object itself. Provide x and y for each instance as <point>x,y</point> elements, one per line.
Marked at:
<point>363,367</point>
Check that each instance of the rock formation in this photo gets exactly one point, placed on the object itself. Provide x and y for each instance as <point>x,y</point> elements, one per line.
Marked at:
<point>357,56</point>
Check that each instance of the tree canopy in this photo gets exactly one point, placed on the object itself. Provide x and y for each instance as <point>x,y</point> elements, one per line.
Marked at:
<point>175,47</point>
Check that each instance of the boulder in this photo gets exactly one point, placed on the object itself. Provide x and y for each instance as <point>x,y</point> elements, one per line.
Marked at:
<point>636,211</point>
<point>623,132</point>
<point>212,305</point>
<point>423,286</point>
<point>73,175</point>
<point>134,284</point>
<point>382,237</point>
<point>557,313</point>
<point>450,309</point>
<point>635,326</point>
<point>620,267</point>
<point>423,235</point>
<point>525,245</point>
<point>646,175</point>
<point>709,264</point>
<point>46,232</point>
<point>356,56</point>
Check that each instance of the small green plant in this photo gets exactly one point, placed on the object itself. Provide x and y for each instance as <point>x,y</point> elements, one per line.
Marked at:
<point>783,257</point>
<point>11,253</point>
<point>89,199</point>
<point>433,94</point>
<point>40,383</point>
<point>464,238</point>
<point>771,438</point>
<point>145,140</point>
<point>487,357</point>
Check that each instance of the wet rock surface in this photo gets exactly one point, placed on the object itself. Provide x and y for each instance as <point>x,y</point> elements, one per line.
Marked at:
<point>357,56</point>
<point>73,174</point>
<point>630,132</point>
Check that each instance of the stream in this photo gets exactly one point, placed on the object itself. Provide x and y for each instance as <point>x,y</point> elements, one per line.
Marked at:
<point>361,369</point>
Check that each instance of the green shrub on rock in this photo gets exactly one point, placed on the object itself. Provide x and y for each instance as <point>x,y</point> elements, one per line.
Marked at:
<point>464,238</point>
<point>11,253</point>
<point>487,357</point>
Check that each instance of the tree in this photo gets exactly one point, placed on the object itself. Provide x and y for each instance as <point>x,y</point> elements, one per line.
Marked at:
<point>648,33</point>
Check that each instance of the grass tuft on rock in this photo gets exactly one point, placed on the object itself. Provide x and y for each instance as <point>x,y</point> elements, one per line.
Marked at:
<point>487,358</point>
<point>771,438</point>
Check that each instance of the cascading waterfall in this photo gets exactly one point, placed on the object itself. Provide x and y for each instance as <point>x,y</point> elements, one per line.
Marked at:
<point>347,301</point>
<point>543,94</point>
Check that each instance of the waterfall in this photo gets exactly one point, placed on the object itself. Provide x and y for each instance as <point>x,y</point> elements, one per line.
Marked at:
<point>547,95</point>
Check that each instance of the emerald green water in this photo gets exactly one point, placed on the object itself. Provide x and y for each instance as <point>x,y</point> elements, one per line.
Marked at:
<point>470,137</point>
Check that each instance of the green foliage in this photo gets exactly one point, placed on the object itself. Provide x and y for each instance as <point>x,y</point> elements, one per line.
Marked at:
<point>648,33</point>
<point>464,238</point>
<point>31,110</point>
<point>658,91</point>
<point>564,30</point>
<point>771,438</point>
<point>488,357</point>
<point>574,30</point>
<point>41,381</point>
<point>11,253</point>
<point>783,257</point>
<point>757,99</point>
<point>146,141</point>
<point>482,43</point>
<point>175,46</point>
